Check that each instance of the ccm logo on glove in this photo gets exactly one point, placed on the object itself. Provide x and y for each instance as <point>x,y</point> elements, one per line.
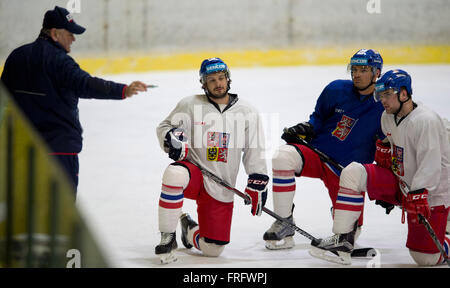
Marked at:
<point>256,190</point>
<point>257,182</point>
<point>420,196</point>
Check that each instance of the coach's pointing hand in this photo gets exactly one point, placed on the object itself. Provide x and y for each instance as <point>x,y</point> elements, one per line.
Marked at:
<point>134,88</point>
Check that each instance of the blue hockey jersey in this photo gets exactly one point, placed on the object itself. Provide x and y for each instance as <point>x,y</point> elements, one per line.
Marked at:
<point>346,124</point>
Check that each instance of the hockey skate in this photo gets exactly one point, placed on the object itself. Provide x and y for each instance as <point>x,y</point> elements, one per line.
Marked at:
<point>280,232</point>
<point>337,248</point>
<point>166,247</point>
<point>186,224</point>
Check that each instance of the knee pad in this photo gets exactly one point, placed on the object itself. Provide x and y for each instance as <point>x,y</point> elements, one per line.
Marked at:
<point>176,175</point>
<point>424,259</point>
<point>287,158</point>
<point>210,249</point>
<point>178,178</point>
<point>354,177</point>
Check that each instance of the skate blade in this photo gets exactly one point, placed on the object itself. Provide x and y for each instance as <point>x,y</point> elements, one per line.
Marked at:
<point>343,258</point>
<point>167,258</point>
<point>286,243</point>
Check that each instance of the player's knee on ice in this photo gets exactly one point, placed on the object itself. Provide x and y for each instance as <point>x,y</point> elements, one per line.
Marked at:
<point>424,259</point>
<point>287,158</point>
<point>210,249</point>
<point>354,177</point>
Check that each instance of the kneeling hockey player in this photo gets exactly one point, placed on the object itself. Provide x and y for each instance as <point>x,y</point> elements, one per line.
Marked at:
<point>213,131</point>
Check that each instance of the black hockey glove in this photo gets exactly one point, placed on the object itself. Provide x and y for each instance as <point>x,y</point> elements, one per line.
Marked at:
<point>385,205</point>
<point>176,144</point>
<point>304,130</point>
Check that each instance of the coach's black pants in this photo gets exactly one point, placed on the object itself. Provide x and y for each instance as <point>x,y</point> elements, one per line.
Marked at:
<point>71,167</point>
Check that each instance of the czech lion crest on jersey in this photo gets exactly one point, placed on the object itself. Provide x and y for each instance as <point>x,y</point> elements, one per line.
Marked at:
<point>344,127</point>
<point>217,146</point>
<point>397,161</point>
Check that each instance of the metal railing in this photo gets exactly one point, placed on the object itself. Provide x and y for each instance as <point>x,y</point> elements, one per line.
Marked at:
<point>40,225</point>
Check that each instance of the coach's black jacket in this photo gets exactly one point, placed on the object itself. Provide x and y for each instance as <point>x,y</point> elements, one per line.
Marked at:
<point>46,83</point>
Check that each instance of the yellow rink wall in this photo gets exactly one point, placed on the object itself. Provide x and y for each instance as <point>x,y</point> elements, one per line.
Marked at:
<point>147,62</point>
<point>40,225</point>
<point>261,58</point>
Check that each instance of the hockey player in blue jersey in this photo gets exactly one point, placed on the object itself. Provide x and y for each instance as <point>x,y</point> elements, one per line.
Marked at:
<point>345,125</point>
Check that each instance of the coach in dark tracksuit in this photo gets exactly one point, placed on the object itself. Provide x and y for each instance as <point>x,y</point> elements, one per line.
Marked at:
<point>46,83</point>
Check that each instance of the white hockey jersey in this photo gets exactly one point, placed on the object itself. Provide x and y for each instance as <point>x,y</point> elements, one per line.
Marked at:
<point>218,136</point>
<point>420,153</point>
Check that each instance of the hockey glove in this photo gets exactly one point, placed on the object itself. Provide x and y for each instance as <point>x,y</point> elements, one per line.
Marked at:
<point>417,203</point>
<point>257,191</point>
<point>383,154</point>
<point>176,144</point>
<point>304,130</point>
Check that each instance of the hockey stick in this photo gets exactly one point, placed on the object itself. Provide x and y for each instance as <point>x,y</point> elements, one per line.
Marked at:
<point>247,199</point>
<point>322,155</point>
<point>357,252</point>
<point>434,237</point>
<point>431,232</point>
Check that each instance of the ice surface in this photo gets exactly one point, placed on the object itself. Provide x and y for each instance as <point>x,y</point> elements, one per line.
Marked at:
<point>121,166</point>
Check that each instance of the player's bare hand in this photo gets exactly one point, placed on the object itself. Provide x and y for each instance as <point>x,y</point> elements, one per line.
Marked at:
<point>134,88</point>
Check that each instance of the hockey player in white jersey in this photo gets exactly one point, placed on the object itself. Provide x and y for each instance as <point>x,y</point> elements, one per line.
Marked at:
<point>412,171</point>
<point>213,130</point>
